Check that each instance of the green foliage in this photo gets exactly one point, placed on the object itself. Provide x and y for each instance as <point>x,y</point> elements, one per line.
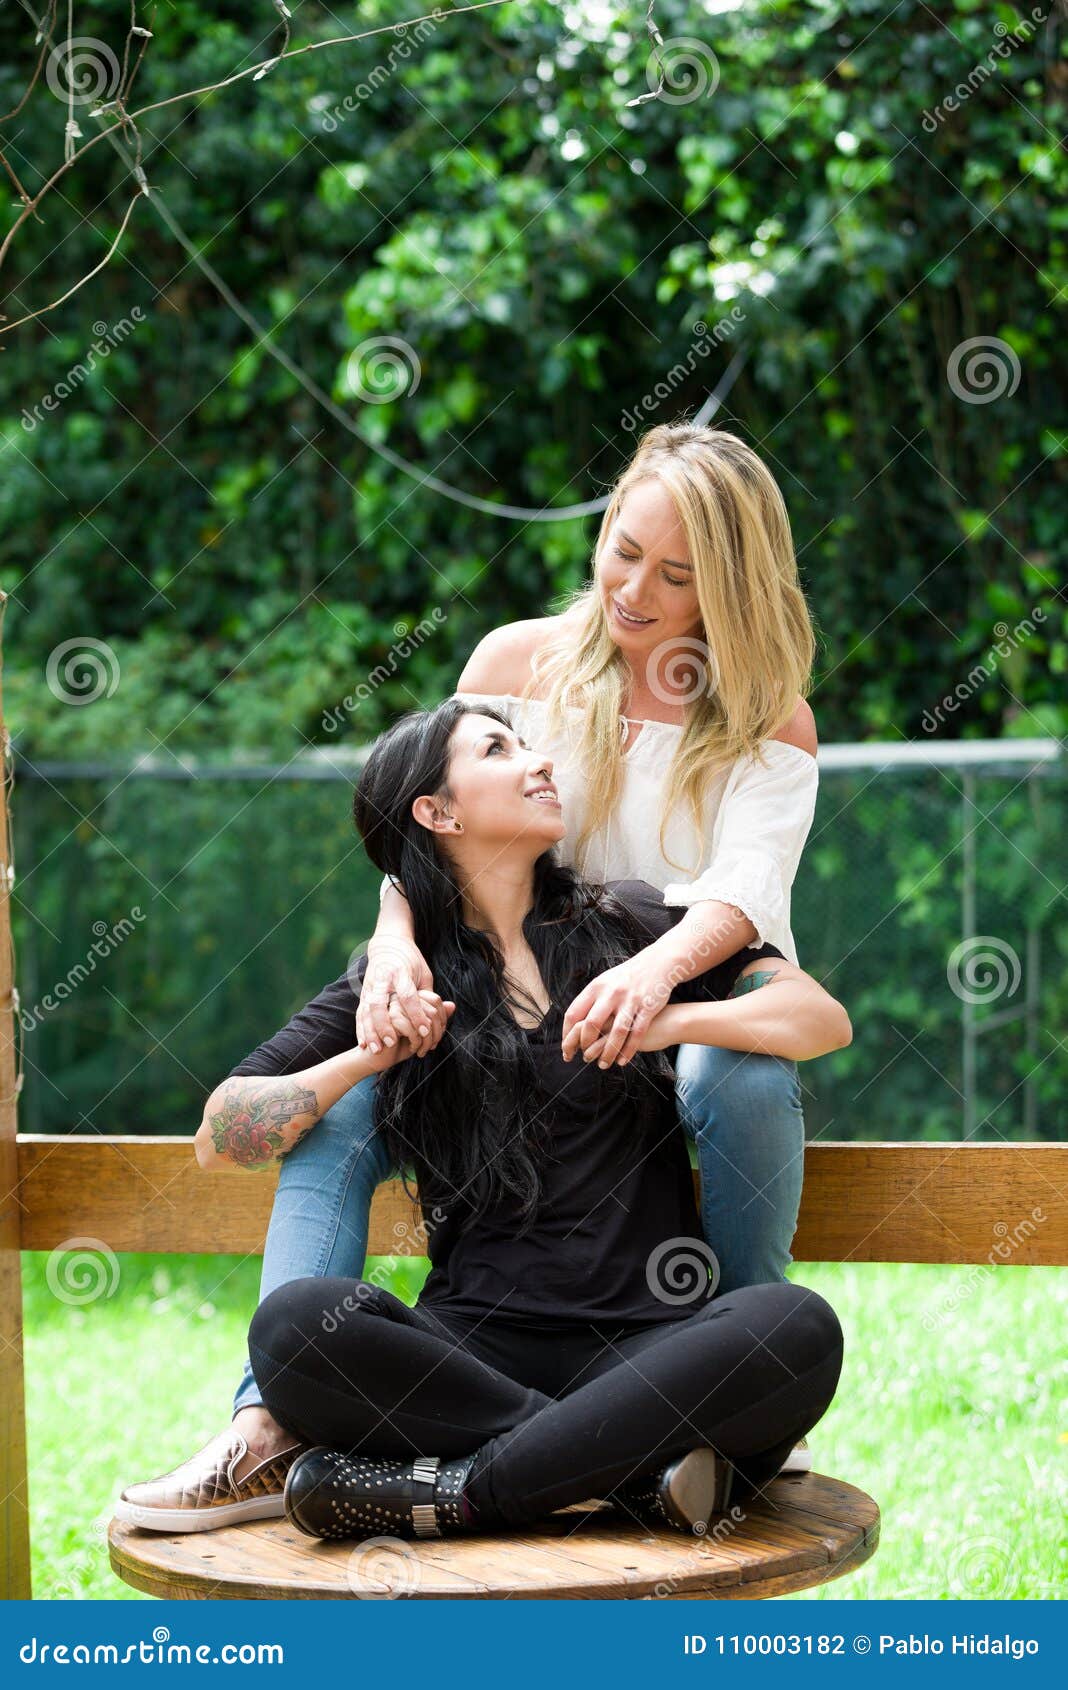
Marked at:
<point>266,579</point>
<point>483,193</point>
<point>254,894</point>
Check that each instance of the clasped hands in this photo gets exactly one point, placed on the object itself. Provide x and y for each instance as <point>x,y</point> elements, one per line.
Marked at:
<point>399,1013</point>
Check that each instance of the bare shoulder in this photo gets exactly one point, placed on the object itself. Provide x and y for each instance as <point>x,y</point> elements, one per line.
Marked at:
<point>800,729</point>
<point>500,663</point>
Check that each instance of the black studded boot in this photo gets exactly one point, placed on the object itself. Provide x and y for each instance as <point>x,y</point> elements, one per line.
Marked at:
<point>684,1495</point>
<point>329,1494</point>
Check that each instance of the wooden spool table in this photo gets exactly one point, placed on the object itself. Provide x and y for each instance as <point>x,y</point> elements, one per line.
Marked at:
<point>805,1530</point>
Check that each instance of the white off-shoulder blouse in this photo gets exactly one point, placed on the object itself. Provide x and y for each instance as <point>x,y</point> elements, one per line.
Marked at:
<point>757,817</point>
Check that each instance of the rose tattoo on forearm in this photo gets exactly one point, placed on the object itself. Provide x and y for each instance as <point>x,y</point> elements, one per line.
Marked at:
<point>248,1121</point>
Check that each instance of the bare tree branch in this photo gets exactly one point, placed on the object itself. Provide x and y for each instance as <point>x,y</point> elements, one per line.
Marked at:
<point>127,119</point>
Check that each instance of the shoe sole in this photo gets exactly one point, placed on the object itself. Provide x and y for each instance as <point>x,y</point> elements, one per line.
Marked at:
<point>197,1519</point>
<point>700,1487</point>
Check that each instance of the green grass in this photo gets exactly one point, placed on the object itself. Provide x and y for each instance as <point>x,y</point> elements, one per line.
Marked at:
<point>959,1430</point>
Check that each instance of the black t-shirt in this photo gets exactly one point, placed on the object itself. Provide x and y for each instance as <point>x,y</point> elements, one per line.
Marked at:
<point>617,1235</point>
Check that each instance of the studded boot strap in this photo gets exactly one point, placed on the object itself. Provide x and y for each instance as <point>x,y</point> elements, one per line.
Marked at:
<point>424,1514</point>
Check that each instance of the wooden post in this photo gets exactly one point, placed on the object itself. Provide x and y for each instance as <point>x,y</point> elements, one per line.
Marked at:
<point>14,1481</point>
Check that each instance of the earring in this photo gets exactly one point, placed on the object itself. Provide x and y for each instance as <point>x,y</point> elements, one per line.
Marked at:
<point>457,827</point>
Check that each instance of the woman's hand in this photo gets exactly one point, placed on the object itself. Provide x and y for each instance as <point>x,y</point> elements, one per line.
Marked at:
<point>397,971</point>
<point>605,1023</point>
<point>406,1039</point>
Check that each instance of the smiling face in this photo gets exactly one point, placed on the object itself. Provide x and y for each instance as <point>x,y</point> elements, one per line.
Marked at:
<point>500,789</point>
<point>644,573</point>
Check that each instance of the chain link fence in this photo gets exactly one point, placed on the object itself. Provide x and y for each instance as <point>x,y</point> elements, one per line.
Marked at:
<point>168,917</point>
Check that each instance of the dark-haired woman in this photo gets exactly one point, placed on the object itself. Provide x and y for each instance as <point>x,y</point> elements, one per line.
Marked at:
<point>568,1342</point>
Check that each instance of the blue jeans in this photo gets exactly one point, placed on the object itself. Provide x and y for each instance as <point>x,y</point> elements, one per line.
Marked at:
<point>742,1111</point>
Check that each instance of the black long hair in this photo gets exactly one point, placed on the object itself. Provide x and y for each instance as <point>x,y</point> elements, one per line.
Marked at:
<point>468,1116</point>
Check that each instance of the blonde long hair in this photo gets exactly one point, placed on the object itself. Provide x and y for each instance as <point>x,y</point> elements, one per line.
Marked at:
<point>756,645</point>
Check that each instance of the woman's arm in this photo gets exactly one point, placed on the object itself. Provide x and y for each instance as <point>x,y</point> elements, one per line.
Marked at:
<point>775,1008</point>
<point>397,968</point>
<point>760,832</point>
<point>765,815</point>
<point>741,898</point>
<point>251,1121</point>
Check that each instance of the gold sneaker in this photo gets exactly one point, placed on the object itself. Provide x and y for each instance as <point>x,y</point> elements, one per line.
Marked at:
<point>206,1491</point>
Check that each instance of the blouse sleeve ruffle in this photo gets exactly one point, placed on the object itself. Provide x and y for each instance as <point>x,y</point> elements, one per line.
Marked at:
<point>760,831</point>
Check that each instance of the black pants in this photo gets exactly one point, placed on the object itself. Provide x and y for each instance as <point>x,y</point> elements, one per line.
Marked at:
<point>555,1416</point>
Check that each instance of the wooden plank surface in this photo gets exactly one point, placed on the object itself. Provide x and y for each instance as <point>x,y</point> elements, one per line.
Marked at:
<point>1005,1204</point>
<point>807,1529</point>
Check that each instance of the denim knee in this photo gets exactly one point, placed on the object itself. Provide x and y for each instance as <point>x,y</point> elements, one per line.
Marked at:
<point>713,1083</point>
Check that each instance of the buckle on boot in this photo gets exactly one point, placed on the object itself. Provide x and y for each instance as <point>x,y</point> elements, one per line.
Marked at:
<point>424,1514</point>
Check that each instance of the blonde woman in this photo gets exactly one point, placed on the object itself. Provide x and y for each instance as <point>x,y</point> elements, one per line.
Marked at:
<point>669,694</point>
